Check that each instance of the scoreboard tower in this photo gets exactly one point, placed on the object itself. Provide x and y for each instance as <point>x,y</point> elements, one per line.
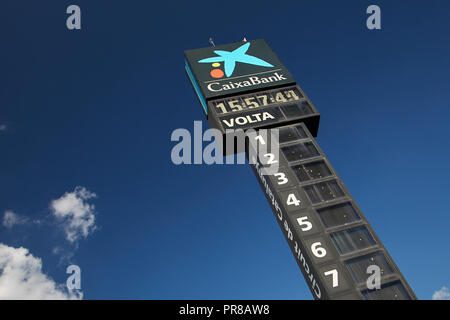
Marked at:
<point>245,86</point>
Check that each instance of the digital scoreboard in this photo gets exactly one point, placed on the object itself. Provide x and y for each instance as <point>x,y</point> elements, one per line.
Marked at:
<point>245,86</point>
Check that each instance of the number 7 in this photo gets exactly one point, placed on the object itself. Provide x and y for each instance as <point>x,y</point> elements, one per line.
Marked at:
<point>334,273</point>
<point>264,99</point>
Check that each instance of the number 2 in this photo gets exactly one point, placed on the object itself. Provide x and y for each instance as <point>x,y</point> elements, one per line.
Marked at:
<point>271,157</point>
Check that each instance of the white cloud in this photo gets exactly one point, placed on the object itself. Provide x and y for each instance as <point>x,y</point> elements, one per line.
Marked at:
<point>21,277</point>
<point>442,294</point>
<point>77,216</point>
<point>10,219</point>
<point>65,256</point>
<point>57,250</point>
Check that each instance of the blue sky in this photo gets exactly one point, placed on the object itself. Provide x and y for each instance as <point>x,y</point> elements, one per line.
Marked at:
<point>95,108</point>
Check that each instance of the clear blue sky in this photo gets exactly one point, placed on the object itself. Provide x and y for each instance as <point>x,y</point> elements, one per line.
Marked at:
<point>96,108</point>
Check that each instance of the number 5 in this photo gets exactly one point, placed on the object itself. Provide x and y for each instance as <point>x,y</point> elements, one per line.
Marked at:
<point>249,102</point>
<point>302,222</point>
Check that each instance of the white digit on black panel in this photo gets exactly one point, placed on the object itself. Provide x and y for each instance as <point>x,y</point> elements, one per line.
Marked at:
<point>281,178</point>
<point>261,139</point>
<point>317,250</point>
<point>292,200</point>
<point>302,221</point>
<point>334,273</point>
<point>271,157</point>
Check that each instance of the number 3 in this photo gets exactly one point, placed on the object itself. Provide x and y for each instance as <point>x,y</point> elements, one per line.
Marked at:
<point>281,178</point>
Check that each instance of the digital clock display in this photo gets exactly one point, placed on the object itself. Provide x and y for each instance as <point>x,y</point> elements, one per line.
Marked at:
<point>257,100</point>
<point>262,109</point>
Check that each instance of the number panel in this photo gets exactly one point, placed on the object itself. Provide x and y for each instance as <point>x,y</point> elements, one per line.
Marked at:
<point>358,266</point>
<point>329,278</point>
<point>316,248</point>
<point>310,217</point>
<point>282,175</point>
<point>292,195</point>
<point>353,240</point>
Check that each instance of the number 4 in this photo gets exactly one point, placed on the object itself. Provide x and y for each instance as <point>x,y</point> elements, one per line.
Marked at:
<point>292,200</point>
<point>334,273</point>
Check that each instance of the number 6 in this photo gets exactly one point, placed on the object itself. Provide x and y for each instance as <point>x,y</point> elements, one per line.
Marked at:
<point>318,251</point>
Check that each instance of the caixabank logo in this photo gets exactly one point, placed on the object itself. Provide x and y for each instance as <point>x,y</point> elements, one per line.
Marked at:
<point>235,68</point>
<point>230,59</point>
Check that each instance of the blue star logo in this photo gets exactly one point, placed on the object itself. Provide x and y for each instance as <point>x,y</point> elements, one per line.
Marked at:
<point>238,55</point>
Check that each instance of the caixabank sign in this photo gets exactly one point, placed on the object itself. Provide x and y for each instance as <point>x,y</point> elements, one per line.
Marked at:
<point>235,68</point>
